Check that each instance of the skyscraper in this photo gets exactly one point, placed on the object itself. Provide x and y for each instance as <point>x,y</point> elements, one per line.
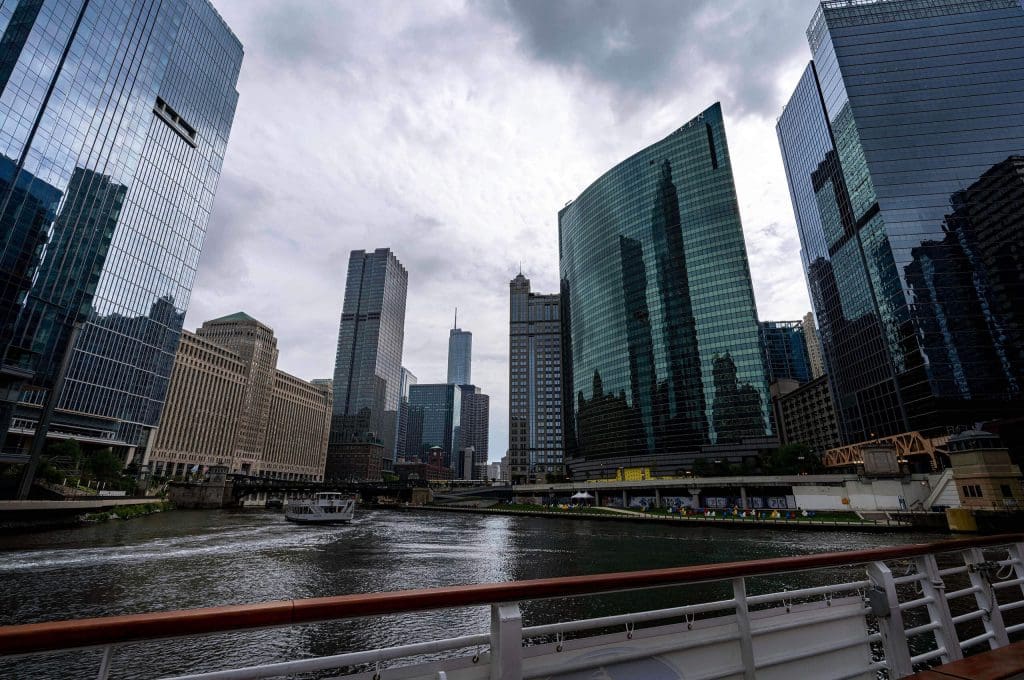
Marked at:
<point>663,357</point>
<point>435,417</point>
<point>460,357</point>
<point>114,118</point>
<point>815,358</point>
<point>902,143</point>
<point>368,364</point>
<point>475,423</point>
<point>785,351</point>
<point>536,440</point>
<point>402,431</point>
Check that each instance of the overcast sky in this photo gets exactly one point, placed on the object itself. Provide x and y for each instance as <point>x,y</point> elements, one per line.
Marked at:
<point>453,132</point>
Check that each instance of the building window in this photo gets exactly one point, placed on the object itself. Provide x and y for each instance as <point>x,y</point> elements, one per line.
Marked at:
<point>1005,489</point>
<point>973,491</point>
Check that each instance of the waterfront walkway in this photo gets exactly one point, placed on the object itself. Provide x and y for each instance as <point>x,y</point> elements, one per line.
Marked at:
<point>94,503</point>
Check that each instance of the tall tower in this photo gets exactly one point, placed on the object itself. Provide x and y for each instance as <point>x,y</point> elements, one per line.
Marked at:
<point>368,363</point>
<point>906,173</point>
<point>108,172</point>
<point>460,355</point>
<point>536,442</point>
<point>813,340</point>
<point>662,361</point>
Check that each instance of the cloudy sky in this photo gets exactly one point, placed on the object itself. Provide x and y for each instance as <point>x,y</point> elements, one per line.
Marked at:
<point>452,132</point>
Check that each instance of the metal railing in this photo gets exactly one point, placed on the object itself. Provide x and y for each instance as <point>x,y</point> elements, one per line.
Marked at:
<point>877,607</point>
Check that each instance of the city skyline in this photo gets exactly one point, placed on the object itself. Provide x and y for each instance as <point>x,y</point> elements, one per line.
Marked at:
<point>522,153</point>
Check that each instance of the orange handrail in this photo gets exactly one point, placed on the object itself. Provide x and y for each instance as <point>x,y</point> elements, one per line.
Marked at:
<point>53,635</point>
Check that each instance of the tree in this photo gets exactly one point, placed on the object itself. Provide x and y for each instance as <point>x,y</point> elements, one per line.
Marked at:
<point>793,459</point>
<point>104,465</point>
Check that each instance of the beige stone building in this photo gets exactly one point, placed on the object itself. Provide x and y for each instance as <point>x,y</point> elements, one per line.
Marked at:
<point>227,404</point>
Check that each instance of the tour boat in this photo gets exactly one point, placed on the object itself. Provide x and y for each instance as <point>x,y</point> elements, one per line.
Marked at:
<point>322,508</point>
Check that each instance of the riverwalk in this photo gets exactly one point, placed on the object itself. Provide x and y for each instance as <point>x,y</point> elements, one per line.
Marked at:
<point>728,522</point>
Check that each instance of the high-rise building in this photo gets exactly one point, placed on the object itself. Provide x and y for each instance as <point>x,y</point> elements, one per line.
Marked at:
<point>785,351</point>
<point>368,364</point>
<point>475,423</point>
<point>460,357</point>
<point>435,418</point>
<point>815,357</point>
<point>402,431</point>
<point>805,414</point>
<point>903,150</point>
<point>663,360</point>
<point>229,405</point>
<point>114,118</point>
<point>535,432</point>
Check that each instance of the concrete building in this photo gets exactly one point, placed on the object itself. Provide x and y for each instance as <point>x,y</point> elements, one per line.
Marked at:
<point>475,424</point>
<point>494,472</point>
<point>536,440</point>
<point>228,405</point>
<point>805,414</point>
<point>985,477</point>
<point>815,358</point>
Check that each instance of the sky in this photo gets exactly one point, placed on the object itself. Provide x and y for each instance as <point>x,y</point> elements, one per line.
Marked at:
<point>452,132</point>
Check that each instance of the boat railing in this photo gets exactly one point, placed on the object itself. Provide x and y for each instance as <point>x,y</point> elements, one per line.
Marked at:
<point>895,619</point>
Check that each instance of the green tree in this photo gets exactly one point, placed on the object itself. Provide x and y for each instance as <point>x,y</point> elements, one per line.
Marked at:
<point>104,465</point>
<point>68,451</point>
<point>792,459</point>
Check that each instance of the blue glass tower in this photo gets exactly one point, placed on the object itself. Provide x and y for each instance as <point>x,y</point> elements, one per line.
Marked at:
<point>785,351</point>
<point>904,151</point>
<point>114,118</point>
<point>662,360</point>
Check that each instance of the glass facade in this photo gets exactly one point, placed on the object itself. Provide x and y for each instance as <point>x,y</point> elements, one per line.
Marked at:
<point>536,442</point>
<point>114,119</point>
<point>785,351</point>
<point>662,351</point>
<point>460,357</point>
<point>435,419</point>
<point>368,364</point>
<point>903,146</point>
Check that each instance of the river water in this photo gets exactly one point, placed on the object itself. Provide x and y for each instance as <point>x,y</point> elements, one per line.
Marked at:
<point>186,559</point>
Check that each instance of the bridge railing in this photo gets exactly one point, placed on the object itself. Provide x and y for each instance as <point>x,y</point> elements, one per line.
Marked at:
<point>857,628</point>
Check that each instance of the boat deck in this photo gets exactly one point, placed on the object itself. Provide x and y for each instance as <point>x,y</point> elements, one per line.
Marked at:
<point>1005,663</point>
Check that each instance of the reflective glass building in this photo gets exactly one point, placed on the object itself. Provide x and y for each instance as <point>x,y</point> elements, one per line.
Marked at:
<point>368,364</point>
<point>662,359</point>
<point>435,419</point>
<point>904,150</point>
<point>785,351</point>
<point>114,118</point>
<point>460,357</point>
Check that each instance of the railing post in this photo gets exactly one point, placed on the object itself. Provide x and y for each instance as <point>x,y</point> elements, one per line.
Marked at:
<point>506,642</point>
<point>108,657</point>
<point>1016,552</point>
<point>739,593</point>
<point>985,596</point>
<point>885,605</point>
<point>938,611</point>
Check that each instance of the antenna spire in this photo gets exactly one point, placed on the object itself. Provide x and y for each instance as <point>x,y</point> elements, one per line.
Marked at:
<point>456,324</point>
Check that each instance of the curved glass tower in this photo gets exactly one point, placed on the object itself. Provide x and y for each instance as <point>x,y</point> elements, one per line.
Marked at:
<point>662,363</point>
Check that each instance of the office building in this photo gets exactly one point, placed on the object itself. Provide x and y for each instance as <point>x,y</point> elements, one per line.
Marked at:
<point>460,357</point>
<point>368,364</point>
<point>535,433</point>
<point>114,119</point>
<point>435,419</point>
<point>785,351</point>
<point>805,414</point>
<point>229,405</point>
<point>663,361</point>
<point>815,357</point>
<point>903,146</point>
<point>475,424</point>
<point>402,430</point>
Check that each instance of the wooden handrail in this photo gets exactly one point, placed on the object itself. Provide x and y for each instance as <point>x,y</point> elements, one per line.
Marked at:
<point>53,635</point>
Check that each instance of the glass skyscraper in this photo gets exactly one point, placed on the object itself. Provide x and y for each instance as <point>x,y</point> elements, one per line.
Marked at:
<point>460,357</point>
<point>435,419</point>
<point>904,151</point>
<point>368,364</point>
<point>114,118</point>
<point>785,351</point>
<point>662,359</point>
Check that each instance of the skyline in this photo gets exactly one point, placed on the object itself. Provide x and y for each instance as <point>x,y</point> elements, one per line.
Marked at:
<point>476,144</point>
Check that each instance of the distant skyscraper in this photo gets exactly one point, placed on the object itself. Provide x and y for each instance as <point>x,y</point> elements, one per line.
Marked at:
<point>785,351</point>
<point>476,408</point>
<point>906,172</point>
<point>460,357</point>
<point>814,353</point>
<point>368,364</point>
<point>662,352</point>
<point>114,118</point>
<point>435,417</point>
<point>402,436</point>
<point>536,442</point>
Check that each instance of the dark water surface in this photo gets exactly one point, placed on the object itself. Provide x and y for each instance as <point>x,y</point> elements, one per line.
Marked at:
<point>186,559</point>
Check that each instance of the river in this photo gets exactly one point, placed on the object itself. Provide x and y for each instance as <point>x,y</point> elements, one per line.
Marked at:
<point>186,559</point>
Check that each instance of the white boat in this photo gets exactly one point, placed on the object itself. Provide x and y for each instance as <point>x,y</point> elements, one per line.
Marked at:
<point>322,508</point>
